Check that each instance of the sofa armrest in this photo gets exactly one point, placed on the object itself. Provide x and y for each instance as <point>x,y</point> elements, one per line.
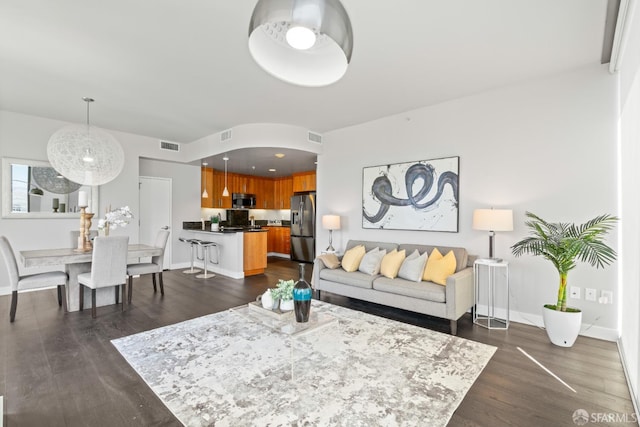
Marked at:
<point>318,265</point>
<point>459,293</point>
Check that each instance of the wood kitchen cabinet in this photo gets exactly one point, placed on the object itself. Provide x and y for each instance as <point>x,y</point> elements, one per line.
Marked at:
<point>304,181</point>
<point>282,192</point>
<point>271,193</point>
<point>206,181</point>
<point>214,181</point>
<point>264,192</point>
<point>243,184</point>
<point>254,252</point>
<point>279,240</point>
<point>218,187</point>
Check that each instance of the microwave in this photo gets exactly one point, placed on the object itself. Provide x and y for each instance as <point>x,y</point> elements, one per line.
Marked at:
<point>243,201</point>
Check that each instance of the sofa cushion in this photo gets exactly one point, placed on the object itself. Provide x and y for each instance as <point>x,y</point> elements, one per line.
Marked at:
<point>439,267</point>
<point>356,278</point>
<point>412,267</point>
<point>460,253</point>
<point>423,290</point>
<point>330,260</point>
<point>352,257</point>
<point>371,261</point>
<point>391,263</point>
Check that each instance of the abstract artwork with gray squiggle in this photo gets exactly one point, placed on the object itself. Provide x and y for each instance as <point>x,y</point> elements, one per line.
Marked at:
<point>421,195</point>
<point>225,369</point>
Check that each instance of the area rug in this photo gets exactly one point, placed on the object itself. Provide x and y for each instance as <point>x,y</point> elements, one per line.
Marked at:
<point>242,368</point>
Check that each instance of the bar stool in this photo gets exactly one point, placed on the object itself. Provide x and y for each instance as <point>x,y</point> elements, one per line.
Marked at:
<point>205,245</point>
<point>193,243</point>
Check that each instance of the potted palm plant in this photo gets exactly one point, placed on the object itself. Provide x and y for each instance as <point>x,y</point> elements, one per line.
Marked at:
<point>564,244</point>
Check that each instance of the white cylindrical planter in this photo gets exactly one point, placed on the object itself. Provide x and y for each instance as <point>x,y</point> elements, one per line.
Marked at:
<point>286,305</point>
<point>562,327</point>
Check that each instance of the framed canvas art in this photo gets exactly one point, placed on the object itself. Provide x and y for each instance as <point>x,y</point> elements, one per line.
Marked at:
<point>420,195</point>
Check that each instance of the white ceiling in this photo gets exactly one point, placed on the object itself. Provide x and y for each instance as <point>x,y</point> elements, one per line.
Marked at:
<point>181,70</point>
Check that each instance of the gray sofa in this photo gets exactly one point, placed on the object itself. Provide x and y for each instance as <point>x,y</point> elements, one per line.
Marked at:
<point>447,302</point>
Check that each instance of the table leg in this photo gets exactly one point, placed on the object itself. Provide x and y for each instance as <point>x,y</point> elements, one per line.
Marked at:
<point>104,296</point>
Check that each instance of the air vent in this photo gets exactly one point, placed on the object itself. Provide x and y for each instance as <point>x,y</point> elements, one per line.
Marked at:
<point>171,146</point>
<point>315,137</point>
<point>225,135</point>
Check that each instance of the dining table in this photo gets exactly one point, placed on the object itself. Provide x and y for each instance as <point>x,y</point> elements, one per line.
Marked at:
<point>80,262</point>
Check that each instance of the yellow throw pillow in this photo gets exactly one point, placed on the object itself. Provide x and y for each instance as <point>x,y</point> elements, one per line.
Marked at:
<point>391,263</point>
<point>439,267</point>
<point>352,257</point>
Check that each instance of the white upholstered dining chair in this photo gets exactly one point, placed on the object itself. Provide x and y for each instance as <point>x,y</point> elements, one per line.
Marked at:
<point>153,267</point>
<point>108,268</point>
<point>31,281</point>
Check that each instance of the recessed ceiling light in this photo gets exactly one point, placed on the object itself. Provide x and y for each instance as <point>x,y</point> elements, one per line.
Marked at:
<point>272,170</point>
<point>279,155</point>
<point>204,163</point>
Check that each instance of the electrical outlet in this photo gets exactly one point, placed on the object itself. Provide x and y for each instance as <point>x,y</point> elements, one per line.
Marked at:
<point>606,297</point>
<point>574,292</point>
<point>590,294</point>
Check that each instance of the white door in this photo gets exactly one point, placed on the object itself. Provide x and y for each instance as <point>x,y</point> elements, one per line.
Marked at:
<point>155,211</point>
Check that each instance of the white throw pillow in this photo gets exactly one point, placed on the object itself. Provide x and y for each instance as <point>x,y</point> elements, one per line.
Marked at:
<point>412,267</point>
<point>370,263</point>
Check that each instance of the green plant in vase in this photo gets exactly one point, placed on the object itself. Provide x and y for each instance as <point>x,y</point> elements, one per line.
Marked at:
<point>564,244</point>
<point>215,222</point>
<point>284,292</point>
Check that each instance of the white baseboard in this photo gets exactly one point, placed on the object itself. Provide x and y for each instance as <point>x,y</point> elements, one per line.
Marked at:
<point>586,330</point>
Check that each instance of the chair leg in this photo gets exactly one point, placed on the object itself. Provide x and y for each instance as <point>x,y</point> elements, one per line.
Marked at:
<point>130,288</point>
<point>59,297</point>
<point>123,287</point>
<point>63,290</point>
<point>161,283</point>
<point>93,303</point>
<point>81,293</point>
<point>454,327</point>
<point>117,294</point>
<point>14,306</point>
<point>153,279</point>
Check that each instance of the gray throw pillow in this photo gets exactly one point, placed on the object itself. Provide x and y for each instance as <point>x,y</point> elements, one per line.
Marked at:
<point>412,267</point>
<point>371,261</point>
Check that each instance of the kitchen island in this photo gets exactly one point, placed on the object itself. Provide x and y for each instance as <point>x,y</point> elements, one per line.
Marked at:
<point>238,253</point>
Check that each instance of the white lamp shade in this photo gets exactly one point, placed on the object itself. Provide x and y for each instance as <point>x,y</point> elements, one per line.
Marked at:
<point>331,222</point>
<point>322,64</point>
<point>493,219</point>
<point>70,147</point>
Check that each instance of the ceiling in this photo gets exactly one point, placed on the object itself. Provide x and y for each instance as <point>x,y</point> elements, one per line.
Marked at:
<point>181,70</point>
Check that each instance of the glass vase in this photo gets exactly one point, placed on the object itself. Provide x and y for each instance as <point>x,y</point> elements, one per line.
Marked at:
<point>302,298</point>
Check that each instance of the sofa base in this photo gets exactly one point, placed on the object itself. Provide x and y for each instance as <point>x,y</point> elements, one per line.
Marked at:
<point>453,324</point>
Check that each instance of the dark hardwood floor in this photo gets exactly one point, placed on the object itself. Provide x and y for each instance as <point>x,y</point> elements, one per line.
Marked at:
<point>61,370</point>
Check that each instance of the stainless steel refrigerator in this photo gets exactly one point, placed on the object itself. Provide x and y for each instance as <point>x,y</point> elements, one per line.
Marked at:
<point>303,227</point>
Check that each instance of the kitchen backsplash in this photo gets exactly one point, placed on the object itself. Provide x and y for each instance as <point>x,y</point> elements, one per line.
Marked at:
<point>258,214</point>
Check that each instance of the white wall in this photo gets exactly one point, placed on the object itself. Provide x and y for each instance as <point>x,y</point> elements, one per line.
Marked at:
<point>630,207</point>
<point>548,147</point>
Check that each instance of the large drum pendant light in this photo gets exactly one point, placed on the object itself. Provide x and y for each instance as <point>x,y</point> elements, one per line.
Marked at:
<point>303,42</point>
<point>85,154</point>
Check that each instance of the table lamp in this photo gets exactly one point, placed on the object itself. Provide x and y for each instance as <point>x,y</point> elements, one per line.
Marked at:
<point>493,220</point>
<point>331,222</point>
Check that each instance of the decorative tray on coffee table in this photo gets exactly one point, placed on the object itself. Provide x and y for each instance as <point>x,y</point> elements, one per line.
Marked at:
<point>284,321</point>
<point>276,314</point>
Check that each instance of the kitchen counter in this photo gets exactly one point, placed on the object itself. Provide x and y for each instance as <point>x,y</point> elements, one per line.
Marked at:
<point>227,258</point>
